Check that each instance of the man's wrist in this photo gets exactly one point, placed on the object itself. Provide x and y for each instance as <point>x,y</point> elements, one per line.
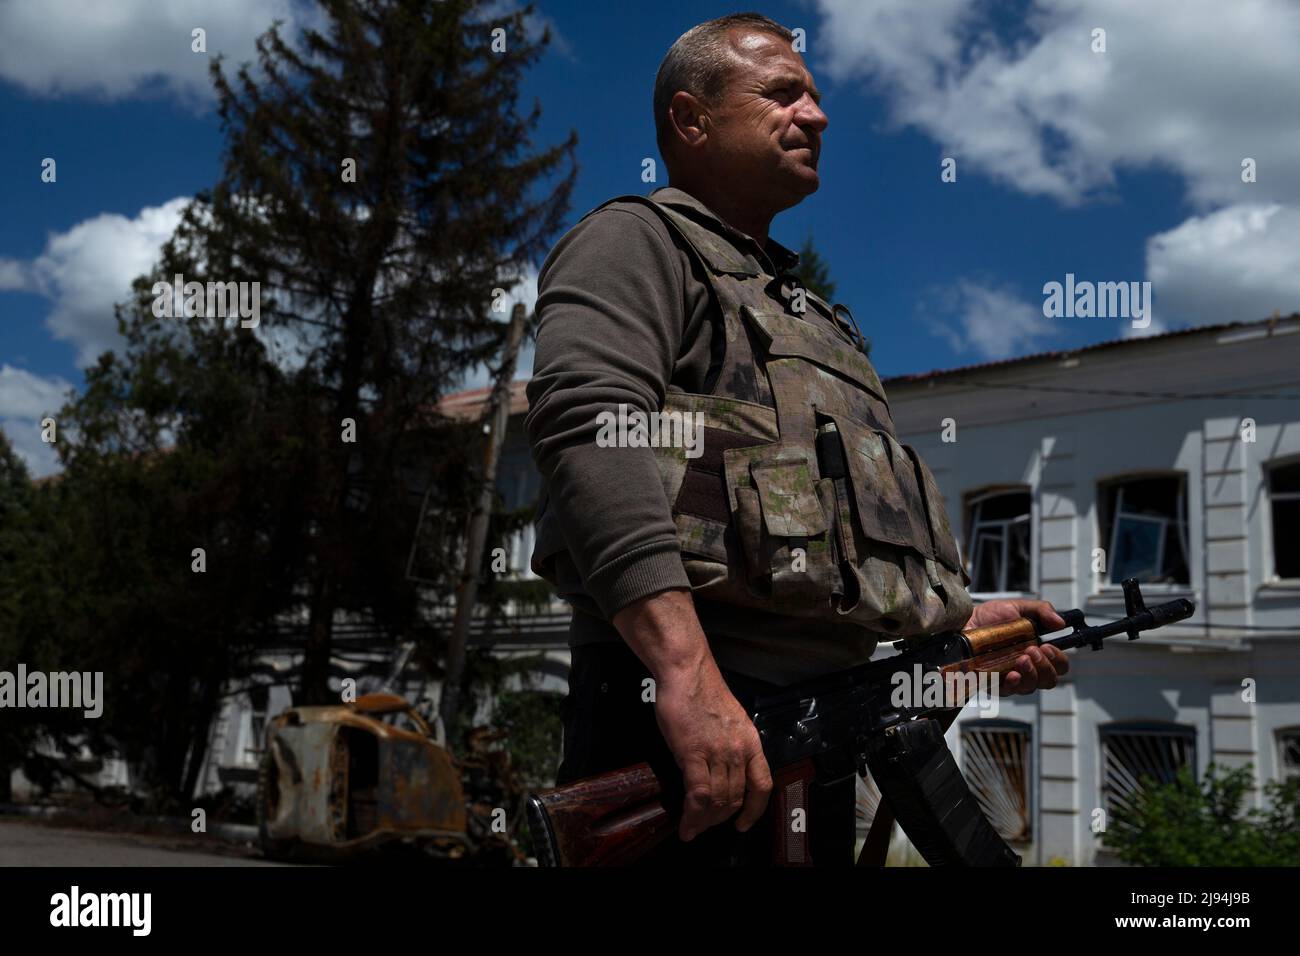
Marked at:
<point>665,633</point>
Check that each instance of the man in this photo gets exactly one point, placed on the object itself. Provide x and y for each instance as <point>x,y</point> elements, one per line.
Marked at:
<point>702,582</point>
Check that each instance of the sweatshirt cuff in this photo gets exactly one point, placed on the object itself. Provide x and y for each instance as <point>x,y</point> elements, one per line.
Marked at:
<point>639,573</point>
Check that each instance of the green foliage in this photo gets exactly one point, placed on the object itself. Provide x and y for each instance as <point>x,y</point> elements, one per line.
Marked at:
<point>15,483</point>
<point>1183,824</point>
<point>16,494</point>
<point>533,732</point>
<point>102,576</point>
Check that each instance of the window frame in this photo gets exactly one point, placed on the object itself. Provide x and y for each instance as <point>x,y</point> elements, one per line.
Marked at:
<point>973,499</point>
<point>1102,584</point>
<point>1270,542</point>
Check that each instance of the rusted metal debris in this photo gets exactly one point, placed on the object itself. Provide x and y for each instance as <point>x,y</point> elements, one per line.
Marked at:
<point>340,781</point>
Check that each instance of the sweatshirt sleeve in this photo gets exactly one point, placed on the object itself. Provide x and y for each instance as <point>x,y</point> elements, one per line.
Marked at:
<point>610,326</point>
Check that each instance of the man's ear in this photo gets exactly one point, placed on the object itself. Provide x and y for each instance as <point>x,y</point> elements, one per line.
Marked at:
<point>689,121</point>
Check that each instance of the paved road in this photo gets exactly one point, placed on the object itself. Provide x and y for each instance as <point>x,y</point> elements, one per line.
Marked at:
<point>25,843</point>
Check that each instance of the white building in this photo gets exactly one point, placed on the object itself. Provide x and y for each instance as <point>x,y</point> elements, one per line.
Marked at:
<point>1176,458</point>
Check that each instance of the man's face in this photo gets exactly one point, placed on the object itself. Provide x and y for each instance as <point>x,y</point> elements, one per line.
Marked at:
<point>767,126</point>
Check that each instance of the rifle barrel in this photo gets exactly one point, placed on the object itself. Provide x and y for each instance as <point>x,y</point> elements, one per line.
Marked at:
<point>1151,618</point>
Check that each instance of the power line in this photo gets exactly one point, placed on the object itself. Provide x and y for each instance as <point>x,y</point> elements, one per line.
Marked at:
<point>1133,394</point>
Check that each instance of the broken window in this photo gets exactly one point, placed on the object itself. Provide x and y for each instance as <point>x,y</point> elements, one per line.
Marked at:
<point>1288,752</point>
<point>1284,501</point>
<point>995,761</point>
<point>1145,527</point>
<point>1000,543</point>
<point>1137,755</point>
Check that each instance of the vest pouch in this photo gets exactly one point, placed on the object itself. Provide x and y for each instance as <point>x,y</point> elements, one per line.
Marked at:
<point>901,588</point>
<point>781,525</point>
<point>885,493</point>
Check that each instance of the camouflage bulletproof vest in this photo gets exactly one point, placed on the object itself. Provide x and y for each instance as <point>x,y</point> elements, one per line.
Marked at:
<point>803,502</point>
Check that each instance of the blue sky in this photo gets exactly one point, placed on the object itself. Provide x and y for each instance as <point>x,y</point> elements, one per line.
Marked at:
<point>1122,165</point>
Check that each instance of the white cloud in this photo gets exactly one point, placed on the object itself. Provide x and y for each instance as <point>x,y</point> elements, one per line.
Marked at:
<point>89,268</point>
<point>124,47</point>
<point>13,275</point>
<point>993,323</point>
<point>1188,86</point>
<point>1236,264</point>
<point>24,400</point>
<point>1193,86</point>
<point>24,395</point>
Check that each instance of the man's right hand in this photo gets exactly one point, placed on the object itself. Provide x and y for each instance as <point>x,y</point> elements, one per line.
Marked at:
<point>717,748</point>
<point>715,743</point>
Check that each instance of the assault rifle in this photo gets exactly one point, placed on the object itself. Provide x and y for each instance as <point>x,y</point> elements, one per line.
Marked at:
<point>826,729</point>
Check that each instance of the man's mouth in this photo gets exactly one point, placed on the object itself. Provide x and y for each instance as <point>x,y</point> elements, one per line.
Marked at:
<point>812,154</point>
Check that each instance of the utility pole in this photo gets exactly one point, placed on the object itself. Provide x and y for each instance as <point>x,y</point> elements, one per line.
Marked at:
<point>495,419</point>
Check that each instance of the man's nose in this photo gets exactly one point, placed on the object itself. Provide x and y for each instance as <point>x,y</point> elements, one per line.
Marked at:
<point>810,116</point>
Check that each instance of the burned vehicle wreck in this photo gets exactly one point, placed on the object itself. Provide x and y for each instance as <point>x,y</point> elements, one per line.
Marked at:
<point>345,781</point>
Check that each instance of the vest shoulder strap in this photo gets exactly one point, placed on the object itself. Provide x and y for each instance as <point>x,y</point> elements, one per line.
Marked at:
<point>713,251</point>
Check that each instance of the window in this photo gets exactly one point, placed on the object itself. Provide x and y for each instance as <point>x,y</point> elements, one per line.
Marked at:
<point>1000,542</point>
<point>1288,752</point>
<point>1284,503</point>
<point>1144,525</point>
<point>1135,755</point>
<point>995,761</point>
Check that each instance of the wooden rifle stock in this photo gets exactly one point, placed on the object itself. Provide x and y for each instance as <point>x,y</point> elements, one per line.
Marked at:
<point>616,818</point>
<point>607,820</point>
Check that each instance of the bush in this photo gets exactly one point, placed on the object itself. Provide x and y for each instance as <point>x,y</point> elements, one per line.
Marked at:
<point>1183,824</point>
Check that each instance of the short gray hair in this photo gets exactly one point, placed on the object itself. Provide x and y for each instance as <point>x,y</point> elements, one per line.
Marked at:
<point>700,63</point>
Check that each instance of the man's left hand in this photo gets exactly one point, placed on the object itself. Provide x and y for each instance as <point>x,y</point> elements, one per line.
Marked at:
<point>1039,667</point>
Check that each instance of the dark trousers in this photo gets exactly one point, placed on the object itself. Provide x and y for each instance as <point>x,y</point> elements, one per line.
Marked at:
<point>608,725</point>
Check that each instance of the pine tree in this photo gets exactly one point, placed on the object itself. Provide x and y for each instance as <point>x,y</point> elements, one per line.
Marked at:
<point>379,184</point>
